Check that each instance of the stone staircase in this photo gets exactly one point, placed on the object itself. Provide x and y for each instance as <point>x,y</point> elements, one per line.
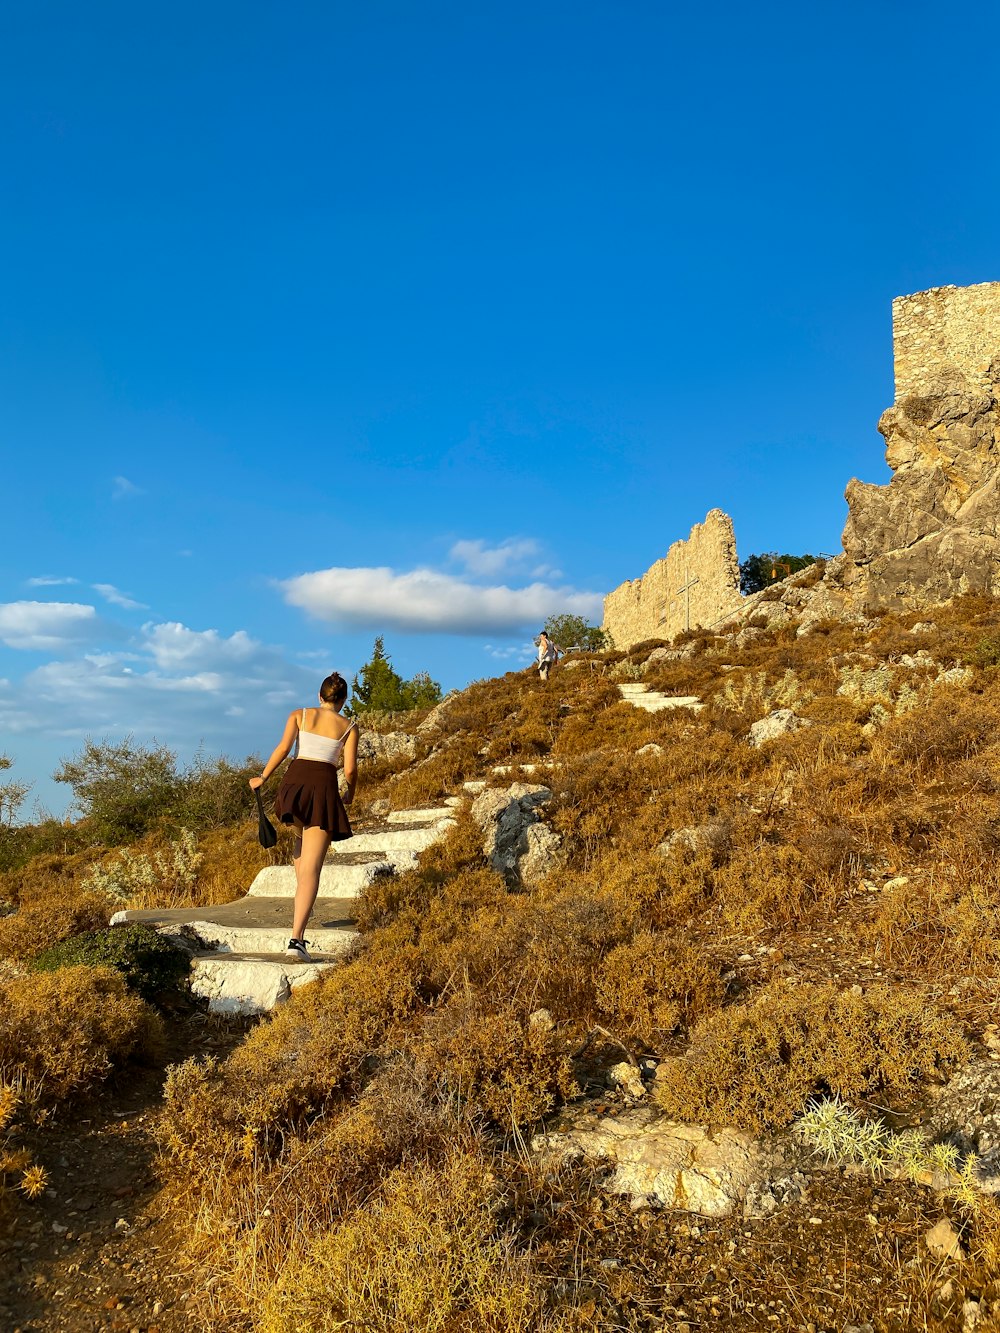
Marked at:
<point>641,696</point>
<point>237,949</point>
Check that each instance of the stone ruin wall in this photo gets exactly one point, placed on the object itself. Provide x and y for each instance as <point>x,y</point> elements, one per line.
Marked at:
<point>944,329</point>
<point>660,604</point>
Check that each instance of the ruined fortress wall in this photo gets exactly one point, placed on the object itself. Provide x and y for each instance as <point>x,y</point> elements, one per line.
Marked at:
<point>695,585</point>
<point>946,328</point>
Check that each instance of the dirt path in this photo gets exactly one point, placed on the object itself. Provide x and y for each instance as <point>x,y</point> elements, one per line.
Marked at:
<point>85,1257</point>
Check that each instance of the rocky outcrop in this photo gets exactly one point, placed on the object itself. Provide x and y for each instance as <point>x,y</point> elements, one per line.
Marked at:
<point>934,530</point>
<point>670,1165</point>
<point>516,842</point>
<point>377,745</point>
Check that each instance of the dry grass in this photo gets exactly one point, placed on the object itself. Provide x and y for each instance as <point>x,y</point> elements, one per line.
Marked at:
<point>347,1121</point>
<point>63,1032</point>
<point>755,1065</point>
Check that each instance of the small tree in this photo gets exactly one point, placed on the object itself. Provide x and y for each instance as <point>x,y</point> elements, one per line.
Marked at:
<point>122,789</point>
<point>568,631</point>
<point>760,571</point>
<point>12,794</point>
<point>379,688</point>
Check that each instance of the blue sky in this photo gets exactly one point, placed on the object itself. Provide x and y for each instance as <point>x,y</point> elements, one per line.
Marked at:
<point>323,321</point>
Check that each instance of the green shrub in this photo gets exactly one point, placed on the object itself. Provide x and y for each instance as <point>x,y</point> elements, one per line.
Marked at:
<point>148,963</point>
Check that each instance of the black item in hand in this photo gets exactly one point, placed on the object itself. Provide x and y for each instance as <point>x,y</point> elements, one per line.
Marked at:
<point>266,831</point>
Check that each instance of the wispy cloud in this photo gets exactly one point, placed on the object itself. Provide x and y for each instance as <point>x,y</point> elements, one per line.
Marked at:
<point>122,488</point>
<point>49,581</point>
<point>480,558</point>
<point>45,626</point>
<point>177,683</point>
<point>425,601</point>
<point>118,598</point>
<point>524,651</point>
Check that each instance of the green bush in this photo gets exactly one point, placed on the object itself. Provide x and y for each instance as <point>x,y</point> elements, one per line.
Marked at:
<point>121,788</point>
<point>148,963</point>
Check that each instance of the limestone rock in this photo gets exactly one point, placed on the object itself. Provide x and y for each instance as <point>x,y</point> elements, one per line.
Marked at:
<point>679,1166</point>
<point>376,745</point>
<point>515,840</point>
<point>943,1241</point>
<point>934,531</point>
<point>968,1113</point>
<point>436,718</point>
<point>779,723</point>
<point>701,837</point>
<point>627,1077</point>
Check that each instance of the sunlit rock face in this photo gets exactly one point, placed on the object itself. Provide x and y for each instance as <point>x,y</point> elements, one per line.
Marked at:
<point>934,531</point>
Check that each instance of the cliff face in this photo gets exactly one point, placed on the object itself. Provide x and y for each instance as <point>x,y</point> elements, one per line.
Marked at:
<point>934,530</point>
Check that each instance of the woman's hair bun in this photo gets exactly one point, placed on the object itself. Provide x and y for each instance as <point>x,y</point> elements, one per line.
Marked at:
<point>334,688</point>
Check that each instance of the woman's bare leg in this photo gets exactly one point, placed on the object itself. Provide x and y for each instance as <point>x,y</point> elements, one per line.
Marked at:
<point>312,845</point>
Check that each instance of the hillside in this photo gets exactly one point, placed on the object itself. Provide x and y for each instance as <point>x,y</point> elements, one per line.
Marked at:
<point>717,882</point>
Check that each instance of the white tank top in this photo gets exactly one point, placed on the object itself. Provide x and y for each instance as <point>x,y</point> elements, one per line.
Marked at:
<point>323,748</point>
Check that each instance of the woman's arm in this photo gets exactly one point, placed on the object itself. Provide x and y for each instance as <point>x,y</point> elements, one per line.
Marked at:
<point>281,751</point>
<point>350,766</point>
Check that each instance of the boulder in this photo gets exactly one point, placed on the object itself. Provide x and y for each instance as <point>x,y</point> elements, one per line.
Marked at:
<point>706,1171</point>
<point>515,840</point>
<point>435,719</point>
<point>779,723</point>
<point>377,745</point>
<point>701,837</point>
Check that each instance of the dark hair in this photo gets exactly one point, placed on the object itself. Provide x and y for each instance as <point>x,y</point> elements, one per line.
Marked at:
<point>334,689</point>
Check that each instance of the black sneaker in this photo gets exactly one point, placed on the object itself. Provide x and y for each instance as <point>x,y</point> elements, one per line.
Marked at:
<point>297,950</point>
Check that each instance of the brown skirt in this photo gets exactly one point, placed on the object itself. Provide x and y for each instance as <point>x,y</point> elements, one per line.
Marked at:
<point>310,795</point>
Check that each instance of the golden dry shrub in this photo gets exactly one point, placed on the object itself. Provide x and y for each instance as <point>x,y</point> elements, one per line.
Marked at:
<point>436,776</point>
<point>428,1253</point>
<point>657,891</point>
<point>754,1066</point>
<point>492,1064</point>
<point>58,913</point>
<point>63,1032</point>
<point>950,726</point>
<point>656,984</point>
<point>453,861</point>
<point>947,924</point>
<point>769,885</point>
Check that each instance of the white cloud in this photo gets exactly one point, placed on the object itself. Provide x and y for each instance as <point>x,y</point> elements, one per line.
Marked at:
<point>178,684</point>
<point>45,626</point>
<point>49,581</point>
<point>118,598</point>
<point>122,488</point>
<point>424,601</point>
<point>485,560</point>
<point>172,645</point>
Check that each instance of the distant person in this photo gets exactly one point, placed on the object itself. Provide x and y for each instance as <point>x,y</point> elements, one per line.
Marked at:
<point>309,796</point>
<point>547,655</point>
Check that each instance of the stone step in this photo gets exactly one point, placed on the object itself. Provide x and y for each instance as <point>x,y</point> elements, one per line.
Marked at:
<point>651,701</point>
<point>428,816</point>
<point>391,840</point>
<point>243,985</point>
<point>251,925</point>
<point>335,880</point>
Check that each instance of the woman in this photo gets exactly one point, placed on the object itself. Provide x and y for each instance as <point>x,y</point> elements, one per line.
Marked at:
<point>309,796</point>
<point>547,655</point>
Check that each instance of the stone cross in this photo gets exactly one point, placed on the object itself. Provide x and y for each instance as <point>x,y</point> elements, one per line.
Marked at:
<point>686,590</point>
